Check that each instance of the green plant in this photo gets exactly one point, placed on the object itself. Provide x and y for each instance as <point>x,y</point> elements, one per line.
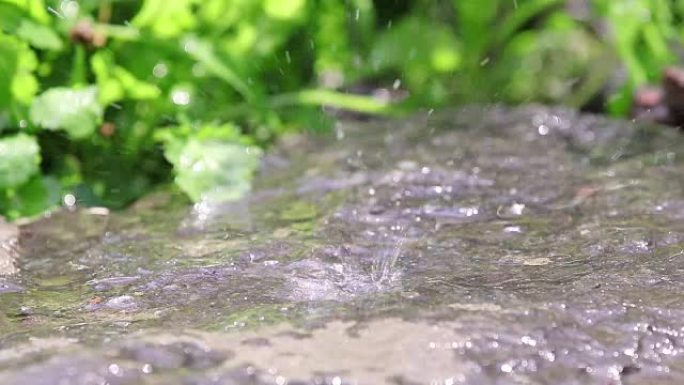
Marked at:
<point>109,99</point>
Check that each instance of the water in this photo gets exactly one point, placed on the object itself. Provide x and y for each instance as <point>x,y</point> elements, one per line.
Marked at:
<point>478,246</point>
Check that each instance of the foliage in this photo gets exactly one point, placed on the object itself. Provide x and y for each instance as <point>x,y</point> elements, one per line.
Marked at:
<point>108,99</point>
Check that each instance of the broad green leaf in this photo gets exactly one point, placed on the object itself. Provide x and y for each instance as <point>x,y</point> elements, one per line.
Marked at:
<point>135,88</point>
<point>36,9</point>
<point>333,50</point>
<point>39,36</point>
<point>115,83</point>
<point>166,19</point>
<point>25,84</point>
<point>9,57</point>
<point>284,9</point>
<point>419,48</point>
<point>203,52</point>
<point>36,196</point>
<point>17,63</point>
<point>10,16</point>
<point>76,111</point>
<point>425,54</point>
<point>109,88</point>
<point>19,159</point>
<point>474,24</point>
<point>213,169</point>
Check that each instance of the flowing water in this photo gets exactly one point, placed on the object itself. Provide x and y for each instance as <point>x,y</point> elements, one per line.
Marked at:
<point>480,246</point>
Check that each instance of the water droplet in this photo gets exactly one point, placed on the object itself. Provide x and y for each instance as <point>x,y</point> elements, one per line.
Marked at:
<point>160,70</point>
<point>288,58</point>
<point>69,200</point>
<point>396,84</point>
<point>114,369</point>
<point>543,129</point>
<point>180,97</point>
<point>517,208</point>
<point>69,9</point>
<point>527,340</point>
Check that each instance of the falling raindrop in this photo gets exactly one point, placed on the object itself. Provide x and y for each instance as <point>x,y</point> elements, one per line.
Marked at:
<point>396,84</point>
<point>55,12</point>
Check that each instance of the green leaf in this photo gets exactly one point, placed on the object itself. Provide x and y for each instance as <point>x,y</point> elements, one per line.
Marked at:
<point>284,9</point>
<point>17,63</point>
<point>115,83</point>
<point>39,36</point>
<point>36,9</point>
<point>213,169</point>
<point>420,49</point>
<point>19,159</point>
<point>166,19</point>
<point>10,16</point>
<point>36,196</point>
<point>76,111</point>
<point>203,52</point>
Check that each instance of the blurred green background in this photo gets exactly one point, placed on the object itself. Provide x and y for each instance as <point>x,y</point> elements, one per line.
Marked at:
<point>104,101</point>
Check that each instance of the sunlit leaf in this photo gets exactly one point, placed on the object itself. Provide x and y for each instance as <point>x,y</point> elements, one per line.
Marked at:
<point>213,169</point>
<point>422,53</point>
<point>39,36</point>
<point>203,52</point>
<point>19,159</point>
<point>284,9</point>
<point>33,197</point>
<point>10,16</point>
<point>36,9</point>
<point>17,63</point>
<point>76,111</point>
<point>166,18</point>
<point>115,83</point>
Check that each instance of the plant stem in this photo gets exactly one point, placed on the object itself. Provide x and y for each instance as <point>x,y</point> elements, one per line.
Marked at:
<point>323,98</point>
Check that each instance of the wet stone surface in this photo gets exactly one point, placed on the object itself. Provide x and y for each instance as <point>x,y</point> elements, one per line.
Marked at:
<point>479,246</point>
